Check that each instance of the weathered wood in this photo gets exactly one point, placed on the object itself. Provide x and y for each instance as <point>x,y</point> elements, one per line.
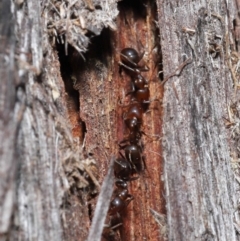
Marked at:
<point>42,165</point>
<point>36,184</point>
<point>46,109</point>
<point>8,125</point>
<point>200,188</point>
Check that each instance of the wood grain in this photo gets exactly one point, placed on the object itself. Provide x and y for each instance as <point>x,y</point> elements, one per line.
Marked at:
<point>199,181</point>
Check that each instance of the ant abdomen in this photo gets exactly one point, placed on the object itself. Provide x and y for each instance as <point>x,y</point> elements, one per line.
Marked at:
<point>116,205</point>
<point>133,153</point>
<point>122,169</point>
<point>142,95</point>
<point>135,111</point>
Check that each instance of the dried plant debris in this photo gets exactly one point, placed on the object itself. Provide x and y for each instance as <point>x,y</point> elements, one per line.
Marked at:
<point>77,171</point>
<point>162,223</point>
<point>74,21</point>
<point>234,63</point>
<point>82,174</point>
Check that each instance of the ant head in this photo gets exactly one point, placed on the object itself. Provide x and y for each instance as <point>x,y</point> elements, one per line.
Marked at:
<point>130,57</point>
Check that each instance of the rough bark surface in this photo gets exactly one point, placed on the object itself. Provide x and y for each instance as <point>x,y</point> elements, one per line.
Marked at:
<point>31,119</point>
<point>200,187</point>
<point>8,124</point>
<point>44,182</point>
<point>60,118</point>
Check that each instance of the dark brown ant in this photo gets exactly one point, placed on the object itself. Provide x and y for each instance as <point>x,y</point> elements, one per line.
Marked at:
<point>133,121</point>
<point>122,171</point>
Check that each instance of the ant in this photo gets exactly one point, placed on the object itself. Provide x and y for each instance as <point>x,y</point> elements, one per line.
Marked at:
<point>140,90</point>
<point>122,171</point>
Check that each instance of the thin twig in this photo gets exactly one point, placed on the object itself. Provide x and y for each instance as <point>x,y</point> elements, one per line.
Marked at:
<point>103,202</point>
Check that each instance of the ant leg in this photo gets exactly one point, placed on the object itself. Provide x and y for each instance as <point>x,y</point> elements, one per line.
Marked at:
<point>134,166</point>
<point>145,168</point>
<point>122,155</point>
<point>144,68</point>
<point>132,89</point>
<point>120,70</point>
<point>122,146</point>
<point>150,136</point>
<point>122,141</point>
<point>129,60</point>
<point>130,198</point>
<point>149,101</point>
<point>139,42</point>
<point>144,163</point>
<point>136,71</point>
<point>116,226</point>
<point>122,105</point>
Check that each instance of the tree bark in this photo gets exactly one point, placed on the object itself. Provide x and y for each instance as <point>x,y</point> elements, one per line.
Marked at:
<point>201,194</point>
<point>61,120</point>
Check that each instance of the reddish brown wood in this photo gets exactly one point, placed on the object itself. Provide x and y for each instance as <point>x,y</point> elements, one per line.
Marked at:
<point>101,87</point>
<point>136,29</point>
